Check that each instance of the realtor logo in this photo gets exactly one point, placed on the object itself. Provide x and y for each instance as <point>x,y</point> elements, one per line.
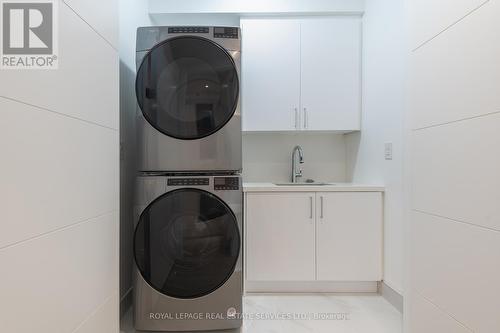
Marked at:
<point>29,34</point>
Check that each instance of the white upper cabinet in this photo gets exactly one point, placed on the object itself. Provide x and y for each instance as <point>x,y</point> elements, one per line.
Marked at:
<point>270,74</point>
<point>331,73</point>
<point>301,74</point>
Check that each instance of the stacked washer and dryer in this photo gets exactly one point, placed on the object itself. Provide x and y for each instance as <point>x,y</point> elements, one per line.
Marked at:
<point>189,200</point>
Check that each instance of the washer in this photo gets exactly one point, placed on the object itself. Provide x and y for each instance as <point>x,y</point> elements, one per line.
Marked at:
<point>187,249</point>
<point>187,89</point>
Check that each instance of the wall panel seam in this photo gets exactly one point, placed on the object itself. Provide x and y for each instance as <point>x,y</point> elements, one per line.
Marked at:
<point>450,26</point>
<point>443,311</point>
<point>59,113</point>
<point>96,310</point>
<point>56,230</point>
<point>456,121</point>
<point>91,27</point>
<point>458,221</point>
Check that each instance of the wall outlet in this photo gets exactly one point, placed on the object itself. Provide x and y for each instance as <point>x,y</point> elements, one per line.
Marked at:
<point>388,151</point>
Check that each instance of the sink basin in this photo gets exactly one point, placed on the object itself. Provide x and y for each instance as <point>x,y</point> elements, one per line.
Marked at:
<point>303,184</point>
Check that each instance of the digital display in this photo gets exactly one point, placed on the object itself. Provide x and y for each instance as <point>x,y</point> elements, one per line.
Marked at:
<point>226,183</point>
<point>219,181</point>
<point>225,32</point>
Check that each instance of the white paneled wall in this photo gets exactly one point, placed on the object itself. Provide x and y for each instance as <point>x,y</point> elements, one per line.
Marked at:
<point>456,268</point>
<point>455,117</point>
<point>436,320</point>
<point>431,17</point>
<point>59,279</point>
<point>96,14</point>
<point>60,171</point>
<point>59,182</point>
<point>456,175</point>
<point>85,58</point>
<point>465,61</point>
<point>384,77</point>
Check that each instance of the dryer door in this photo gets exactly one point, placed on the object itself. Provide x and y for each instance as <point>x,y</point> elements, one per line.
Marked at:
<point>187,87</point>
<point>187,243</point>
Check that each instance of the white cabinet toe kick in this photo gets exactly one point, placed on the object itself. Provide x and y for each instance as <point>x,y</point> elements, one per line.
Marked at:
<point>324,241</point>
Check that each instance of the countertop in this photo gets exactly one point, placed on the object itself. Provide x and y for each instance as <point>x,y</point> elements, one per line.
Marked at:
<point>335,187</point>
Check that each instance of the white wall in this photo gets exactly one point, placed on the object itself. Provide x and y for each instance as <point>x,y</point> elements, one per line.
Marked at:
<point>196,19</point>
<point>133,14</point>
<point>455,121</point>
<point>59,176</point>
<point>267,156</point>
<point>255,6</point>
<point>384,77</point>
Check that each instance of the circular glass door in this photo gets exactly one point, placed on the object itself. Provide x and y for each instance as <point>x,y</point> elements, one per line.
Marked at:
<point>187,87</point>
<point>186,243</point>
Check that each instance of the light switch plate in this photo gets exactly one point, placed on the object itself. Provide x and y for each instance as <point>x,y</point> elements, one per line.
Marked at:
<point>388,151</point>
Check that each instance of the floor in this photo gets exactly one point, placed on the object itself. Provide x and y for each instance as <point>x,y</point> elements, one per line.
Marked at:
<point>342,314</point>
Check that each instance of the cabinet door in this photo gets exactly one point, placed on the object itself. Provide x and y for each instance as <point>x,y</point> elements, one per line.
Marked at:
<point>270,74</point>
<point>349,236</point>
<point>331,73</point>
<point>280,231</point>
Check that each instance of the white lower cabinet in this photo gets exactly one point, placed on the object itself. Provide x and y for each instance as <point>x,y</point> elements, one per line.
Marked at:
<point>349,236</point>
<point>280,233</point>
<point>314,237</point>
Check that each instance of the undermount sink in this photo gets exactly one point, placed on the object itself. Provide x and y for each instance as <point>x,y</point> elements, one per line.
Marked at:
<point>303,184</point>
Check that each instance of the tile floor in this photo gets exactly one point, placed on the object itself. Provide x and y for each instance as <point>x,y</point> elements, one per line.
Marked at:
<point>348,314</point>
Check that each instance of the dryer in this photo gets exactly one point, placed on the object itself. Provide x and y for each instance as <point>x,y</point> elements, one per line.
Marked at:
<point>187,249</point>
<point>187,89</point>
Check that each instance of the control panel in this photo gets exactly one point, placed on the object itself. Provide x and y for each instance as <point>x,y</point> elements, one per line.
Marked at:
<point>226,183</point>
<point>225,32</point>
<point>190,30</point>
<point>187,181</point>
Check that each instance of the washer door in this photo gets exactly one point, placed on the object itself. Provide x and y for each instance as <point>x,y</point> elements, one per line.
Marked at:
<point>187,243</point>
<point>187,87</point>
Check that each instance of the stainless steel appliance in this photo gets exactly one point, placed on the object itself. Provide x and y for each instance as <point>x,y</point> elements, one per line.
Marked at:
<point>187,91</point>
<point>187,248</point>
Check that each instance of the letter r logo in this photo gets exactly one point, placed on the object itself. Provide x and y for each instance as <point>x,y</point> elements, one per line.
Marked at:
<point>27,27</point>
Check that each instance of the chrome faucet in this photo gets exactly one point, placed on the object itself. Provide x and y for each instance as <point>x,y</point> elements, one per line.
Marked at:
<point>296,174</point>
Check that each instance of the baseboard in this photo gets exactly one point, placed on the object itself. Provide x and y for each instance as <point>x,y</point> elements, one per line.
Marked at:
<point>125,302</point>
<point>391,296</point>
<point>310,287</point>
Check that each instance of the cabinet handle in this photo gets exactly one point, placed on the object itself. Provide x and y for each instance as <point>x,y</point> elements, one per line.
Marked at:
<point>311,207</point>
<point>306,119</point>
<point>321,199</point>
